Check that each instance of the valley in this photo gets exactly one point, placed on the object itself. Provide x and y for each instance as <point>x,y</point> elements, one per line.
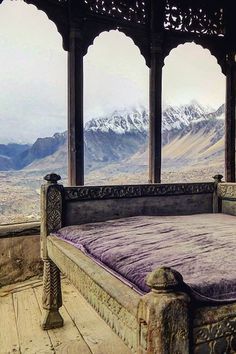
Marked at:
<point>116,152</point>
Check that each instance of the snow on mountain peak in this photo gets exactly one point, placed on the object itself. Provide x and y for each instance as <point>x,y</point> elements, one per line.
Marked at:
<point>120,122</point>
<point>137,119</point>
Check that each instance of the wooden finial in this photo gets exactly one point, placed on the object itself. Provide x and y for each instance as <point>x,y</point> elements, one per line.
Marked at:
<point>52,178</point>
<point>218,178</point>
<point>164,279</point>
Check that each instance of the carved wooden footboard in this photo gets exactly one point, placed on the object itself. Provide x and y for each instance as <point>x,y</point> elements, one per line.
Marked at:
<point>168,319</point>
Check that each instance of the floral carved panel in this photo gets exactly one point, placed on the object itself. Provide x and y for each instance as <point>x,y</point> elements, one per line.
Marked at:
<point>132,10</point>
<point>194,18</point>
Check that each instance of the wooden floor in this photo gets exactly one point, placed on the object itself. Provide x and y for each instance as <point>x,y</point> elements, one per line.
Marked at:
<point>84,332</point>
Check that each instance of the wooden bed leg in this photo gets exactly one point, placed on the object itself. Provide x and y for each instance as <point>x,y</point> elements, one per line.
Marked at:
<point>163,315</point>
<point>52,299</point>
<point>217,203</point>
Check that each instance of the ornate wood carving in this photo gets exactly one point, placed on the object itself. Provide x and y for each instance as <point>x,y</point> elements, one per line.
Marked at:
<point>51,209</point>
<point>218,337</point>
<point>227,191</point>
<point>163,315</point>
<point>54,208</point>
<point>194,17</point>
<point>52,299</point>
<point>120,319</point>
<point>132,10</point>
<point>131,191</point>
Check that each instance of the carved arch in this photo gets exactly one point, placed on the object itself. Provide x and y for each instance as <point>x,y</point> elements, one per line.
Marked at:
<point>217,49</point>
<point>141,40</point>
<point>55,13</point>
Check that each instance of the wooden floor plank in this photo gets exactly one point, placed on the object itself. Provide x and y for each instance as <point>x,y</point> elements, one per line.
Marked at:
<point>8,333</point>
<point>66,339</point>
<point>84,332</point>
<point>32,338</point>
<point>98,335</point>
<point>13,288</point>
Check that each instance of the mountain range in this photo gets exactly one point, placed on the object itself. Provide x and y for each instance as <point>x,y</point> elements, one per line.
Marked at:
<point>191,135</point>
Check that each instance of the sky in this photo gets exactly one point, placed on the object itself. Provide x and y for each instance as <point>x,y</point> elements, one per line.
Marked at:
<point>33,75</point>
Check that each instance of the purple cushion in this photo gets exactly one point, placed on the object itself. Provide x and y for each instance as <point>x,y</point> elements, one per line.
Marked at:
<point>201,247</point>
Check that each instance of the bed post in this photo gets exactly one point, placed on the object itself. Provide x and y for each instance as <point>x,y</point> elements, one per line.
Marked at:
<point>51,221</point>
<point>217,203</point>
<point>163,315</point>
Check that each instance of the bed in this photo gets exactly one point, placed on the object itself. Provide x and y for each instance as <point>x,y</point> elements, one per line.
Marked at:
<point>156,261</point>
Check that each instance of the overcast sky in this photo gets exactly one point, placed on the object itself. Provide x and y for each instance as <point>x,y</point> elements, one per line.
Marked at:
<point>33,75</point>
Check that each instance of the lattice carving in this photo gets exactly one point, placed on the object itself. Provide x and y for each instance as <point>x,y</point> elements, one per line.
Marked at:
<point>192,18</point>
<point>132,10</point>
<point>106,192</point>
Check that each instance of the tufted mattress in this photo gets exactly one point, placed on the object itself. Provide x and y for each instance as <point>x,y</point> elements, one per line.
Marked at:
<point>201,247</point>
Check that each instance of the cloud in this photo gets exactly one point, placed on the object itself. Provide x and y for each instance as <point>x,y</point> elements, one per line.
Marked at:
<point>33,75</point>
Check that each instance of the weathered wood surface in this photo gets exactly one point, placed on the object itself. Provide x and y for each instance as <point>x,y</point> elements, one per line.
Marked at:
<point>8,332</point>
<point>20,325</point>
<point>227,195</point>
<point>28,324</point>
<point>227,191</point>
<point>229,207</point>
<point>52,297</point>
<point>101,210</point>
<point>113,300</point>
<point>164,315</point>
<point>20,259</point>
<point>94,331</point>
<point>66,339</point>
<point>160,313</point>
<point>214,329</point>
<point>16,230</point>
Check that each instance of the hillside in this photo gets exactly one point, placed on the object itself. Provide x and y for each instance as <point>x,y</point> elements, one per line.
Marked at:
<point>192,136</point>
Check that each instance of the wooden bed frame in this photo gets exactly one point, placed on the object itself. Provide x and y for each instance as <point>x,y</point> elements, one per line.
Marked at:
<point>168,320</point>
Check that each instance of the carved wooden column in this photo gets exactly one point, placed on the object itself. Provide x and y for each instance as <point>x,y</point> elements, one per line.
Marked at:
<point>230,119</point>
<point>51,221</point>
<point>75,123</point>
<point>155,93</point>
<point>163,315</point>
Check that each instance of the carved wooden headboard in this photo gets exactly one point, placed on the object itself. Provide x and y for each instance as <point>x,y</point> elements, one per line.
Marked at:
<point>91,204</point>
<point>62,206</point>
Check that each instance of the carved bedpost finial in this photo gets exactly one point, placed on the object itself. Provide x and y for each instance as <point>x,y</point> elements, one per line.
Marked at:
<point>164,279</point>
<point>52,178</point>
<point>217,178</point>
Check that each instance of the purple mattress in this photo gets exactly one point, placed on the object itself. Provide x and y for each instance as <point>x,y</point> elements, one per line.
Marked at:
<point>201,247</point>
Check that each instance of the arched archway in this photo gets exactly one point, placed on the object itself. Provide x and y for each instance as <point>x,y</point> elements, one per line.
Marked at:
<point>115,111</point>
<point>32,107</point>
<point>193,115</point>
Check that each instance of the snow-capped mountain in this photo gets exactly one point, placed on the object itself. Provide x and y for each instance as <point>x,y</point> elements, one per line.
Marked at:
<point>182,116</point>
<point>174,117</point>
<point>121,122</point>
<point>124,134</point>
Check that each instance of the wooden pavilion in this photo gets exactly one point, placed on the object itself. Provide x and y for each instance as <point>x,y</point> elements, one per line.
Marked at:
<point>156,27</point>
<point>170,318</point>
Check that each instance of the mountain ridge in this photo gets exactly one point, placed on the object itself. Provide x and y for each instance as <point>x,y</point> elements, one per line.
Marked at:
<point>119,136</point>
